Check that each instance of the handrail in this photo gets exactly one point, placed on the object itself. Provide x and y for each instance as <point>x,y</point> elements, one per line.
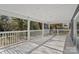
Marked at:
<point>13,31</point>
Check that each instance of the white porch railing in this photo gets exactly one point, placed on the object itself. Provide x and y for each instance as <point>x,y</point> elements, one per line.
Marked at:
<point>11,37</point>
<point>62,31</point>
<point>59,31</point>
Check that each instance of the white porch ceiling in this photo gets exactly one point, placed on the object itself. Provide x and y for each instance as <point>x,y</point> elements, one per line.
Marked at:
<point>51,13</point>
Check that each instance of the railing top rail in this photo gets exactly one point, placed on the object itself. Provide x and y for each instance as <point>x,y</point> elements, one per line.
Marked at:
<point>13,31</point>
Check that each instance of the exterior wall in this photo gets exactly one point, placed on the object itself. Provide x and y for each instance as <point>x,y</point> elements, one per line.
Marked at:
<point>73,26</point>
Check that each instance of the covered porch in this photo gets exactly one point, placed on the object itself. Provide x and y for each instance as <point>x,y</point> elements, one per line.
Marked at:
<point>41,31</point>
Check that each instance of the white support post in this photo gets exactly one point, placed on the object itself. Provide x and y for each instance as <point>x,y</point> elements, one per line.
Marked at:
<point>42,30</point>
<point>75,31</point>
<point>28,30</point>
<point>49,28</point>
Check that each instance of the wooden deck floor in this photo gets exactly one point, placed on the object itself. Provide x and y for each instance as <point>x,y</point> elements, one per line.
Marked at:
<point>48,45</point>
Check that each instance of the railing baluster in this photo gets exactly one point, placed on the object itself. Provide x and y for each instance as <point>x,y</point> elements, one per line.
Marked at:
<point>8,38</point>
<point>12,37</point>
<point>4,39</point>
<point>0,39</point>
<point>16,38</point>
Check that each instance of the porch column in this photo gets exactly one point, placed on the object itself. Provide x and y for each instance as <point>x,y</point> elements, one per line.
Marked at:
<point>49,29</point>
<point>75,30</point>
<point>28,29</point>
<point>42,30</point>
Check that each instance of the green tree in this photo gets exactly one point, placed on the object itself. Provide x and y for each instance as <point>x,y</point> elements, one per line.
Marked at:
<point>14,23</point>
<point>18,24</point>
<point>4,22</point>
<point>35,25</point>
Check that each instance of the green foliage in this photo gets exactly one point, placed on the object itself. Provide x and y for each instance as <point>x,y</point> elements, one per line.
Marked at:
<point>12,23</point>
<point>4,22</point>
<point>1,27</point>
<point>35,25</point>
<point>56,26</point>
<point>25,25</point>
<point>17,23</point>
